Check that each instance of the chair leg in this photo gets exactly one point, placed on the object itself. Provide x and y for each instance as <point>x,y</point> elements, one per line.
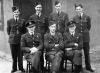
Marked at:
<point>72,67</point>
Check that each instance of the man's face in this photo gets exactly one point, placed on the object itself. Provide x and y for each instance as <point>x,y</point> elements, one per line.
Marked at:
<point>16,13</point>
<point>72,29</point>
<point>38,8</point>
<point>79,10</point>
<point>52,28</point>
<point>31,29</point>
<point>58,7</point>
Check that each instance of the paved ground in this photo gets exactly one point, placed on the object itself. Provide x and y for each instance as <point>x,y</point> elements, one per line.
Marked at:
<point>5,62</point>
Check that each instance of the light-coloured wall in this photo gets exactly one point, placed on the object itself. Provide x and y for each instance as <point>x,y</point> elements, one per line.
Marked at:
<point>92,8</point>
<point>4,46</point>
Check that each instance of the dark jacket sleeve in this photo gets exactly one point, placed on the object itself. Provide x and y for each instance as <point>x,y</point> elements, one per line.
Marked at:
<point>41,42</point>
<point>61,45</point>
<point>23,45</point>
<point>80,42</point>
<point>88,23</point>
<point>66,22</point>
<point>8,27</point>
<point>23,30</point>
<point>47,43</point>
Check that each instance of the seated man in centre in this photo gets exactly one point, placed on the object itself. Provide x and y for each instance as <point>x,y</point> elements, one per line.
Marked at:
<point>73,46</point>
<point>31,44</point>
<point>53,42</point>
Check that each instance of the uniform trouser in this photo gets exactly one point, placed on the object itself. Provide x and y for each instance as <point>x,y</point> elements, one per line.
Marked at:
<point>16,56</point>
<point>75,56</point>
<point>34,59</point>
<point>55,60</point>
<point>86,49</point>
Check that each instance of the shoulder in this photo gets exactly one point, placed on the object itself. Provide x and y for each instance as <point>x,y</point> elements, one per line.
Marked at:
<point>87,16</point>
<point>11,19</point>
<point>59,34</point>
<point>53,13</point>
<point>46,34</point>
<point>24,35</point>
<point>32,16</point>
<point>38,35</point>
<point>64,13</point>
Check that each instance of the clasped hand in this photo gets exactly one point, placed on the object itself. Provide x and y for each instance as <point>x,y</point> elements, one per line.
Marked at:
<point>33,50</point>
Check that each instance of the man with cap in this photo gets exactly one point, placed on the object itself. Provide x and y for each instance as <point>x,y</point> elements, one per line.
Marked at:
<point>73,46</point>
<point>83,26</point>
<point>15,28</point>
<point>53,42</point>
<point>59,17</point>
<point>31,44</point>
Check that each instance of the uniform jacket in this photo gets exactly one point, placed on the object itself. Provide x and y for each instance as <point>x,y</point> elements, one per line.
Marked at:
<point>83,26</point>
<point>28,41</point>
<point>61,20</point>
<point>50,41</point>
<point>15,30</point>
<point>41,23</point>
<point>69,40</point>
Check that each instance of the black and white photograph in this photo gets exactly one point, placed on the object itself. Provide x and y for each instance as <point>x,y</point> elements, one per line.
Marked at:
<point>49,36</point>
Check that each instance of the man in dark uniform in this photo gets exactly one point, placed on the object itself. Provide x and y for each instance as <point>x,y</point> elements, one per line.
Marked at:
<point>41,23</point>
<point>73,46</point>
<point>31,44</point>
<point>53,42</point>
<point>83,26</point>
<point>40,19</point>
<point>59,17</point>
<point>15,28</point>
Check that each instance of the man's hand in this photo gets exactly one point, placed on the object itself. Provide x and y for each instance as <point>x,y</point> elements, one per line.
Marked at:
<point>76,44</point>
<point>56,45</point>
<point>33,50</point>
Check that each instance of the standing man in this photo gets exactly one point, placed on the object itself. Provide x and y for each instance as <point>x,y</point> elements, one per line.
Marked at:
<point>31,44</point>
<point>73,46</point>
<point>83,26</point>
<point>40,19</point>
<point>53,42</point>
<point>15,28</point>
<point>60,18</point>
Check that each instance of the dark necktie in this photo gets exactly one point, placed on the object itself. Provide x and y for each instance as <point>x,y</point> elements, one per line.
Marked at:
<point>32,35</point>
<point>72,35</point>
<point>58,13</point>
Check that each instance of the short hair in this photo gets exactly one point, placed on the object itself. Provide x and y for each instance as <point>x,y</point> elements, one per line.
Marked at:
<point>15,8</point>
<point>57,2</point>
<point>51,23</point>
<point>78,5</point>
<point>37,3</point>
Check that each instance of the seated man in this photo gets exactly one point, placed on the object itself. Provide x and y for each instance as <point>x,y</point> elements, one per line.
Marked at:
<point>31,44</point>
<point>53,42</point>
<point>73,46</point>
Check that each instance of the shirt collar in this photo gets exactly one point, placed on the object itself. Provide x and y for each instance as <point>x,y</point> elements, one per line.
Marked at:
<point>31,33</point>
<point>16,18</point>
<point>39,14</point>
<point>72,33</point>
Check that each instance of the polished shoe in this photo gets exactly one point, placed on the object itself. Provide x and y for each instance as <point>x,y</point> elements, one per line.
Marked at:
<point>22,70</point>
<point>90,69</point>
<point>13,71</point>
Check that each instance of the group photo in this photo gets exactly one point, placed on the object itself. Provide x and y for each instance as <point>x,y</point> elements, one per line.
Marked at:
<point>49,36</point>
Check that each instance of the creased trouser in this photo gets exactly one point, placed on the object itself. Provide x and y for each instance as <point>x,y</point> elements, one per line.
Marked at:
<point>76,56</point>
<point>34,59</point>
<point>55,59</point>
